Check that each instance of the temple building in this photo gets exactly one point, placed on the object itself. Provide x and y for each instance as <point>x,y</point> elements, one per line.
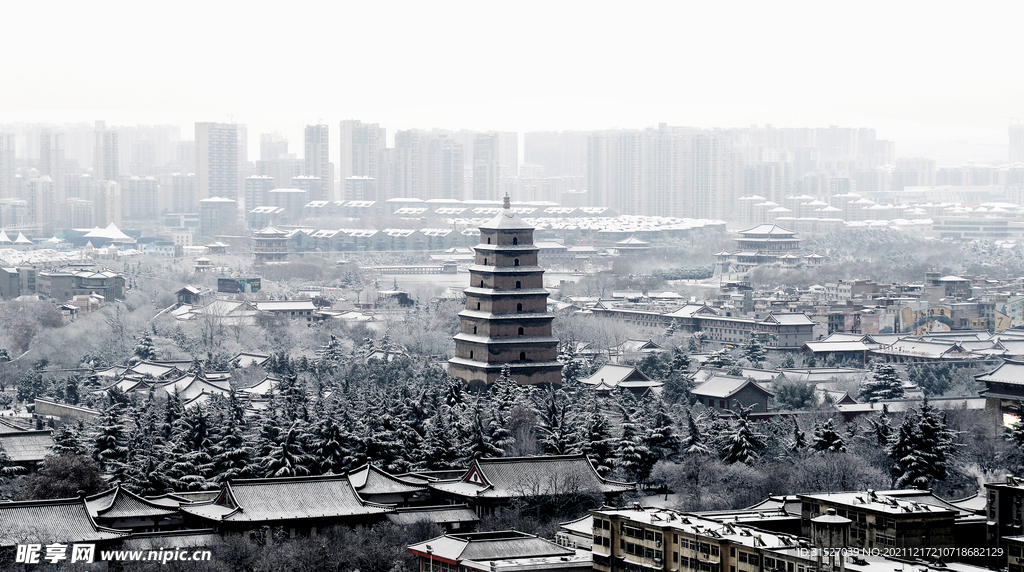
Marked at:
<point>765,244</point>
<point>506,321</point>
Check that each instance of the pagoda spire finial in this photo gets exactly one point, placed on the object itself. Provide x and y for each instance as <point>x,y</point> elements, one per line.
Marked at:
<point>508,202</point>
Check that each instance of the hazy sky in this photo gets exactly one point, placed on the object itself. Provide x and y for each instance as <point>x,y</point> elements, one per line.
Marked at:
<point>942,80</point>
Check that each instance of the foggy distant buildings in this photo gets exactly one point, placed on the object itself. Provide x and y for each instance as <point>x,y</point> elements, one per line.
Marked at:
<point>1017,143</point>
<point>360,148</point>
<point>217,159</point>
<point>318,159</point>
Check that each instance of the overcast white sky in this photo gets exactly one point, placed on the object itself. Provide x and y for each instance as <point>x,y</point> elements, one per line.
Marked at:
<point>942,80</point>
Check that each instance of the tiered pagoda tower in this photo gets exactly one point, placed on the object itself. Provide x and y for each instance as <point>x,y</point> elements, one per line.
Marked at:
<point>506,321</point>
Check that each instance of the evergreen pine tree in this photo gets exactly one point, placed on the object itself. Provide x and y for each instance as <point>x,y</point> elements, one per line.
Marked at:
<point>68,441</point>
<point>631,454</point>
<point>598,443</point>
<point>479,442</point>
<point>799,442</point>
<point>743,444</point>
<point>501,436</point>
<point>694,443</point>
<point>145,350</point>
<point>754,351</point>
<point>662,440</point>
<point>441,445</point>
<point>572,370</point>
<point>555,423</point>
<point>827,438</point>
<point>109,446</point>
<point>287,458</point>
<point>881,427</point>
<point>884,384</point>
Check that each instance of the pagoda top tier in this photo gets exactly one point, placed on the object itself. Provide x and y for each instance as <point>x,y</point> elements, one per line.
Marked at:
<point>507,219</point>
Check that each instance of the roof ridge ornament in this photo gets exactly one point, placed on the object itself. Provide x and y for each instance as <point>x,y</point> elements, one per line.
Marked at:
<point>508,202</point>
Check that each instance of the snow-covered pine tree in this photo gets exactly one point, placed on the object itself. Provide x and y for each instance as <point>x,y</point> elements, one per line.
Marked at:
<point>598,443</point>
<point>694,442</point>
<point>743,444</point>
<point>827,438</point>
<point>884,383</point>
<point>631,454</point>
<point>287,457</point>
<point>799,442</point>
<point>754,351</point>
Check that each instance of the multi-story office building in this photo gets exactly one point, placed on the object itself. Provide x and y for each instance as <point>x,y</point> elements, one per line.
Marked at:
<point>8,167</point>
<point>106,153</point>
<point>218,155</point>
<point>318,159</point>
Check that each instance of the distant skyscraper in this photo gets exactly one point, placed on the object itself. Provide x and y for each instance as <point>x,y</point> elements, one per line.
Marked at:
<point>1017,143</point>
<point>139,196</point>
<point>217,160</point>
<point>318,159</point>
<point>562,153</point>
<point>313,186</point>
<point>51,164</point>
<point>256,189</point>
<point>183,193</point>
<point>361,144</point>
<point>273,146</point>
<point>486,167</point>
<point>7,166</point>
<point>106,153</point>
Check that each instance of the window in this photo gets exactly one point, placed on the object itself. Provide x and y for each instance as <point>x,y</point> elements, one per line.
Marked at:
<point>481,283</point>
<point>485,262</point>
<point>519,308</point>
<point>515,240</point>
<point>478,305</point>
<point>470,354</point>
<point>488,240</point>
<point>519,284</point>
<point>515,262</point>
<point>521,331</point>
<point>522,356</point>
<point>474,329</point>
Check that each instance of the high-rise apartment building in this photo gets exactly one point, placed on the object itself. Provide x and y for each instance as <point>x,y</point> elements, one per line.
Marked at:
<point>562,153</point>
<point>139,196</point>
<point>486,167</point>
<point>1017,143</point>
<point>273,146</point>
<point>913,172</point>
<point>217,160</point>
<point>318,159</point>
<point>7,166</point>
<point>106,155</point>
<point>256,189</point>
<point>361,144</point>
<point>51,162</point>
<point>182,196</point>
<point>313,186</point>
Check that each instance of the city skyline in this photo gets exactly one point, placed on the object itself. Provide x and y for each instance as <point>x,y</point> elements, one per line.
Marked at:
<point>716,66</point>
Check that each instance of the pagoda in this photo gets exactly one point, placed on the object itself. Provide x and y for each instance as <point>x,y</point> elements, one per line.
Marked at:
<point>270,245</point>
<point>506,322</point>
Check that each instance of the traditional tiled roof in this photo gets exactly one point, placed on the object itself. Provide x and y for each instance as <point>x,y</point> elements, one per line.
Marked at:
<point>443,514</point>
<point>27,446</point>
<point>289,498</point>
<point>370,480</point>
<point>725,386</point>
<point>1010,371</point>
<point>513,477</point>
<point>119,503</point>
<point>485,546</point>
<point>47,521</point>
<point>167,539</point>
